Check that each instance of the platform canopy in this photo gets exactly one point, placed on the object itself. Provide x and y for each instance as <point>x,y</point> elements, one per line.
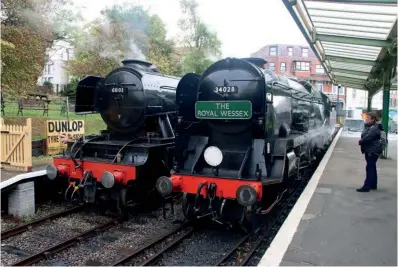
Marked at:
<point>356,41</point>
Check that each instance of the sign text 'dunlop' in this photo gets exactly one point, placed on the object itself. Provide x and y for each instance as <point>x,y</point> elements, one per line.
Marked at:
<point>59,132</point>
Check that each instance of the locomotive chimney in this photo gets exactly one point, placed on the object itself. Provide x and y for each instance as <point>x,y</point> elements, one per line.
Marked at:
<point>140,64</point>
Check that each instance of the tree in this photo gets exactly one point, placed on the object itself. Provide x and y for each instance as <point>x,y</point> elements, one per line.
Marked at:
<point>70,89</point>
<point>159,48</point>
<point>22,63</point>
<point>99,48</point>
<point>31,27</point>
<point>122,32</point>
<point>201,42</point>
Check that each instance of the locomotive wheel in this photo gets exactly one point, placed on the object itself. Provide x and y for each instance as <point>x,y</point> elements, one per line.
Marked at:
<point>187,206</point>
<point>123,197</point>
<point>126,196</point>
<point>121,203</point>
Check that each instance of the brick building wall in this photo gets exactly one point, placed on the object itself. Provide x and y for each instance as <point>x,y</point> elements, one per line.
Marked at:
<point>298,61</point>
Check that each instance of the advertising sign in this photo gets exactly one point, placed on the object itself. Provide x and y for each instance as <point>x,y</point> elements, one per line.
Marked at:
<point>60,132</point>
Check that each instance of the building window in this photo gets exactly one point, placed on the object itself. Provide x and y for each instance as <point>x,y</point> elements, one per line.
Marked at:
<point>319,85</point>
<point>272,51</point>
<point>319,69</point>
<point>283,66</point>
<point>341,91</point>
<point>302,66</point>
<point>304,52</point>
<point>271,66</point>
<point>49,68</point>
<point>290,51</point>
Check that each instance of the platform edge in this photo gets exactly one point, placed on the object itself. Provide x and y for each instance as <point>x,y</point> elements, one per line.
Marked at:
<point>21,177</point>
<point>278,247</point>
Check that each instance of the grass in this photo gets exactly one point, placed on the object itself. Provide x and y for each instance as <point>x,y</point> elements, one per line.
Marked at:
<point>93,123</point>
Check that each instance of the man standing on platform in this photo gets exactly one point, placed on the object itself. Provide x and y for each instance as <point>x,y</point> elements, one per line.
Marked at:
<point>372,148</point>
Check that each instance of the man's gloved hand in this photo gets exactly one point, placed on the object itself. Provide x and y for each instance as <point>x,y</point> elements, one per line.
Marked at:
<point>360,142</point>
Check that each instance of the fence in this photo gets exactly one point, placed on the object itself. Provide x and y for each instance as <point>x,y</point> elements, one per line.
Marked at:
<point>16,146</point>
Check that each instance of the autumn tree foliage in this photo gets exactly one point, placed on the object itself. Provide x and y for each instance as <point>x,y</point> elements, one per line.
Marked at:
<point>202,44</point>
<point>29,27</point>
<point>23,62</point>
<point>122,32</point>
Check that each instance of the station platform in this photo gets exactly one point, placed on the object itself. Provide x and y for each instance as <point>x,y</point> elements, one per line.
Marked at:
<point>10,177</point>
<point>331,224</point>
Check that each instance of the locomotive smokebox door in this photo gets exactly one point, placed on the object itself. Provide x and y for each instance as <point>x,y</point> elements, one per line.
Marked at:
<point>86,94</point>
<point>121,100</point>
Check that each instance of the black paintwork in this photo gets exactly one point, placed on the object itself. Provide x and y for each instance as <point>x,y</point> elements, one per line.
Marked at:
<point>138,104</point>
<point>284,113</point>
<point>146,93</point>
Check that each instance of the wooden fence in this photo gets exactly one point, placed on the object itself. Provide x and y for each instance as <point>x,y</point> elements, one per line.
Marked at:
<point>16,146</point>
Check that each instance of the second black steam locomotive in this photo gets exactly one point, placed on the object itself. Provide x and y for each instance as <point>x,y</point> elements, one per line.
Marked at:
<point>243,134</point>
<point>122,163</point>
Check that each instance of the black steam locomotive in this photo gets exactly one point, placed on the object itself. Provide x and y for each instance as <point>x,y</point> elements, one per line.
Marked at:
<point>122,163</point>
<point>242,135</point>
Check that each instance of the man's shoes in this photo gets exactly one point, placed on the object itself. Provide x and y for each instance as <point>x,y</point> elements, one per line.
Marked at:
<point>362,189</point>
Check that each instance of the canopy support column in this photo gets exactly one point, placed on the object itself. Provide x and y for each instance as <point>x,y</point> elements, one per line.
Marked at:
<point>369,103</point>
<point>386,104</point>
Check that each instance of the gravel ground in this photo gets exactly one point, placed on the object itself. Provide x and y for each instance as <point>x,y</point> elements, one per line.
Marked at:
<point>46,235</point>
<point>107,247</point>
<point>42,210</point>
<point>204,247</point>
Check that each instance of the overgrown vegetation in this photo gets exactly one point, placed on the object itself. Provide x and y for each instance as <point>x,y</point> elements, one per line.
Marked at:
<point>30,28</point>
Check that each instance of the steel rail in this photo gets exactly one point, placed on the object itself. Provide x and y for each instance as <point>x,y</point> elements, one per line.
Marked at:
<point>229,254</point>
<point>286,204</point>
<point>27,226</point>
<point>155,257</point>
<point>147,246</point>
<point>65,244</point>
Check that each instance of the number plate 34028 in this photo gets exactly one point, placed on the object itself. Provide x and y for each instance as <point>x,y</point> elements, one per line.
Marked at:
<point>226,89</point>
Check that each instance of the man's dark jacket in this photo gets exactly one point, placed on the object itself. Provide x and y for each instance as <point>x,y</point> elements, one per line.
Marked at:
<point>370,139</point>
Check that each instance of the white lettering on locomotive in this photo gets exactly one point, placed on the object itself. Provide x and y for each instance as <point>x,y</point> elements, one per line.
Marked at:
<point>224,89</point>
<point>117,90</point>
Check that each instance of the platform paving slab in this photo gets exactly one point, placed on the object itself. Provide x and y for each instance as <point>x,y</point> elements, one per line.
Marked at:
<point>343,227</point>
<point>8,174</point>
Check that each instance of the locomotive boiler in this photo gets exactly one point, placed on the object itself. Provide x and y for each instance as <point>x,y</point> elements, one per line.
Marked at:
<point>243,134</point>
<point>122,162</point>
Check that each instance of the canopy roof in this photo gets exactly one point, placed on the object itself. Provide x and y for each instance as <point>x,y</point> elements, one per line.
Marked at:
<point>354,40</point>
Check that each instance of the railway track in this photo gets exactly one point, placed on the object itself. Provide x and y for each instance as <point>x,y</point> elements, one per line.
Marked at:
<point>46,253</point>
<point>249,246</point>
<point>28,226</point>
<point>241,253</point>
<point>164,242</point>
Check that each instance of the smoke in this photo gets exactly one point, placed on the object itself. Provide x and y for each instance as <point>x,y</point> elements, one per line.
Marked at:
<point>135,52</point>
<point>50,19</point>
<point>118,41</point>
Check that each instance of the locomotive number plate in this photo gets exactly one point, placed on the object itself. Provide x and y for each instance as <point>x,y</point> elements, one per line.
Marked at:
<point>223,110</point>
<point>226,89</point>
<point>118,90</point>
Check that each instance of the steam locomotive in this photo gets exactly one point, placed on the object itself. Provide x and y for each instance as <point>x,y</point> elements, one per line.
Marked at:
<point>243,134</point>
<point>121,164</point>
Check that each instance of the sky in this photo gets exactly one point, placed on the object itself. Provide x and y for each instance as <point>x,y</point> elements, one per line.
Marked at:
<point>243,26</point>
